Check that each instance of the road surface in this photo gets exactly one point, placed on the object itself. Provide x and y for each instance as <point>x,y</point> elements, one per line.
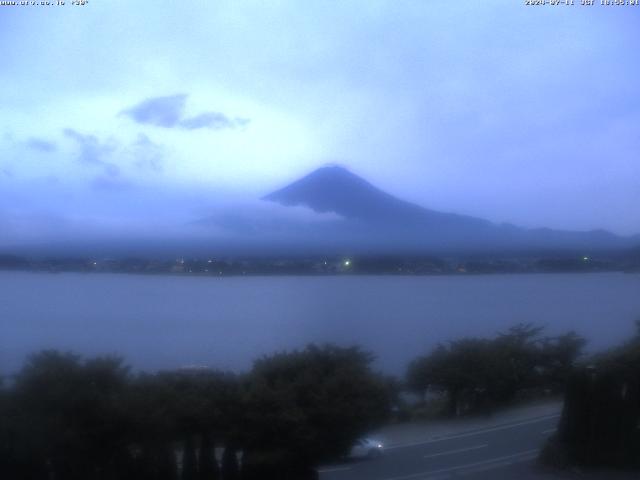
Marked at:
<point>496,452</point>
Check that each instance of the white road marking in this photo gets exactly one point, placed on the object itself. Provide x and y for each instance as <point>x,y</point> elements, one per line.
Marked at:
<point>550,430</point>
<point>337,469</point>
<point>485,464</point>
<point>459,450</point>
<point>475,432</point>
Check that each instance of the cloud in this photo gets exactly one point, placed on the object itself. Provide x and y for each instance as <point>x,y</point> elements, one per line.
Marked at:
<point>214,121</point>
<point>159,111</point>
<point>167,112</point>
<point>21,226</point>
<point>41,145</point>
<point>142,153</point>
<point>262,217</point>
<point>94,152</point>
<point>147,154</point>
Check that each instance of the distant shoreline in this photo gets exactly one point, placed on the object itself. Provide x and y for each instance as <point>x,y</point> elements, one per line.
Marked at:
<point>344,265</point>
<point>315,274</point>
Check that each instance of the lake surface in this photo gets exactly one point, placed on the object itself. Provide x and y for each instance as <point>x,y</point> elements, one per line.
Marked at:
<point>170,321</point>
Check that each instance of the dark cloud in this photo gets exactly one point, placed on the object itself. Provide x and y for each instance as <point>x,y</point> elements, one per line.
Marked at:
<point>41,145</point>
<point>167,112</point>
<point>147,154</point>
<point>159,111</point>
<point>94,152</point>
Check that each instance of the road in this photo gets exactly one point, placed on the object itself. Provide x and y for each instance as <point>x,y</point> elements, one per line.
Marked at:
<point>497,452</point>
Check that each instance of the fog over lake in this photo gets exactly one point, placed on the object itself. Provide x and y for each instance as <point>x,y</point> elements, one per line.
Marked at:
<point>159,322</point>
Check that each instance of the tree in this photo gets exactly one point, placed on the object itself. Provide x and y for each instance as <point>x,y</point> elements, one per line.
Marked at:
<point>477,374</point>
<point>207,464</point>
<point>230,469</point>
<point>599,423</point>
<point>153,407</point>
<point>559,355</point>
<point>68,414</point>
<point>307,406</point>
<point>465,370</point>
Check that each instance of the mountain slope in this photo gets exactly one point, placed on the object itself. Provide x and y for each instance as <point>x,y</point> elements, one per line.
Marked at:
<point>335,189</point>
<point>378,219</point>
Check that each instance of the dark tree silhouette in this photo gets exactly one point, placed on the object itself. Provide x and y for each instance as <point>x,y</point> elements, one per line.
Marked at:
<point>207,464</point>
<point>69,414</point>
<point>601,415</point>
<point>230,468</point>
<point>308,406</point>
<point>189,460</point>
<point>479,374</point>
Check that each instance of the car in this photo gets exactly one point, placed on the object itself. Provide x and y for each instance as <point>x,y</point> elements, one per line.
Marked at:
<point>366,448</point>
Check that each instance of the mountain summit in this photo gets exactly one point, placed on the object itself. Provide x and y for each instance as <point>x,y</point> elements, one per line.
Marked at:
<point>380,220</point>
<point>336,189</point>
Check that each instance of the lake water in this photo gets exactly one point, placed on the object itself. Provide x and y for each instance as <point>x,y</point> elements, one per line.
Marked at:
<point>170,321</point>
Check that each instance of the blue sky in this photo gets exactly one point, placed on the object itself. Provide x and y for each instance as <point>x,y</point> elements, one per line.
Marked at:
<point>120,114</point>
